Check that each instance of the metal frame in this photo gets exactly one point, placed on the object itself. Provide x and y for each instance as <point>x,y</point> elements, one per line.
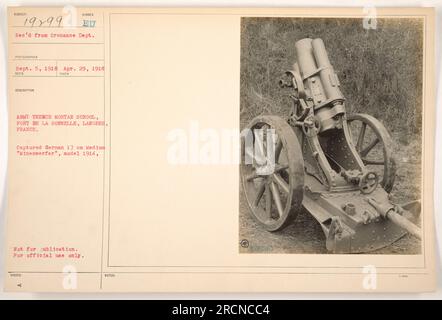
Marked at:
<point>337,188</point>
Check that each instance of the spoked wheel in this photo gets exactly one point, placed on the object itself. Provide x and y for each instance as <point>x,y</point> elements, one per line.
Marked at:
<point>375,147</point>
<point>272,172</point>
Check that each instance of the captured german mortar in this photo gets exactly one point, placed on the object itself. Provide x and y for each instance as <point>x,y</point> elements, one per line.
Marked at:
<point>321,159</point>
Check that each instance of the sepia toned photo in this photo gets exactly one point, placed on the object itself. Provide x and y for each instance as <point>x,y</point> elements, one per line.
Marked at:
<point>296,156</point>
<point>331,113</point>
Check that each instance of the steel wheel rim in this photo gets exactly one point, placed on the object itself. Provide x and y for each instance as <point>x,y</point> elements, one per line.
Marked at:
<point>383,138</point>
<point>279,186</point>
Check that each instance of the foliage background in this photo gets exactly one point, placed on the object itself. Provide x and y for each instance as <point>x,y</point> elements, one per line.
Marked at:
<point>380,73</point>
<point>380,69</point>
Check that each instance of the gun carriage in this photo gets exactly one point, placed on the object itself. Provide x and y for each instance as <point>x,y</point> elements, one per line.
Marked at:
<point>340,167</point>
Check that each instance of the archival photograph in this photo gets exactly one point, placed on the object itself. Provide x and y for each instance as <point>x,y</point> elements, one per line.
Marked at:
<point>331,144</point>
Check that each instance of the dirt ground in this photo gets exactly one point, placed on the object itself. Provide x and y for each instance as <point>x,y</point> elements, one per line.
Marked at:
<point>380,74</point>
<point>305,235</point>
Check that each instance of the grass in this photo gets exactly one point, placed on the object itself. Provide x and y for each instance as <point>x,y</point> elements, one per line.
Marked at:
<point>380,70</point>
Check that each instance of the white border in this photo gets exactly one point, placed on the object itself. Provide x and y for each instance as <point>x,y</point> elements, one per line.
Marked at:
<point>217,3</point>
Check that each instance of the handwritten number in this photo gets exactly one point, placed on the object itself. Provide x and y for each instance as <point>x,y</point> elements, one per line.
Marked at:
<point>33,21</point>
<point>49,20</point>
<point>59,20</point>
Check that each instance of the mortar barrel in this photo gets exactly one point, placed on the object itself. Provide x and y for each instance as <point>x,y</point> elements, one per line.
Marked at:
<point>329,79</point>
<point>404,223</point>
<point>304,56</point>
<point>320,53</point>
